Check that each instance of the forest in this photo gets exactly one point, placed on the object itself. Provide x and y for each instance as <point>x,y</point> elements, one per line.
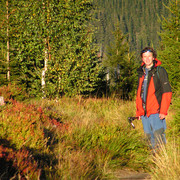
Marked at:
<point>53,48</point>
<point>138,19</point>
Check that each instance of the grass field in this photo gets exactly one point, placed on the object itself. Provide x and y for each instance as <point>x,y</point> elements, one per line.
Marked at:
<point>76,138</point>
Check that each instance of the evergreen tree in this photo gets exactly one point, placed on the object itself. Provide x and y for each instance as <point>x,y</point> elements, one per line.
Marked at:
<point>120,66</point>
<point>170,35</point>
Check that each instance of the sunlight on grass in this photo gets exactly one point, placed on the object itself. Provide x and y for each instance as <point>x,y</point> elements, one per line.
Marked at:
<point>86,138</point>
<point>167,162</point>
<point>99,129</point>
<point>88,111</point>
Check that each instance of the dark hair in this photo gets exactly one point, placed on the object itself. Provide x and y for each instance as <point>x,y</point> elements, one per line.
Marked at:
<point>149,49</point>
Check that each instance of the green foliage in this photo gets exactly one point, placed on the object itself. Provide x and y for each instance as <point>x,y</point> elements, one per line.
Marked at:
<point>169,53</point>
<point>7,9</point>
<point>75,68</point>
<point>120,64</point>
<point>2,45</point>
<point>55,37</point>
<point>175,123</point>
<point>26,44</point>
<point>31,42</point>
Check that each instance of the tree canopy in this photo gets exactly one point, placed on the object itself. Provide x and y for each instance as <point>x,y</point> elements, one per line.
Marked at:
<point>51,46</point>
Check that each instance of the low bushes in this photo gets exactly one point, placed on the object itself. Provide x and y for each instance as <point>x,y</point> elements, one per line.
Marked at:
<point>29,133</point>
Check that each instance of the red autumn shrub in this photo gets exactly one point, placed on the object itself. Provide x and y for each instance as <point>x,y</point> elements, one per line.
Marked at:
<point>21,160</point>
<point>24,125</point>
<point>13,92</point>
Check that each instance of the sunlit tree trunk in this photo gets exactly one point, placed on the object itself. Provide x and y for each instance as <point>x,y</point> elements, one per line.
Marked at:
<point>46,53</point>
<point>8,58</point>
<point>43,82</point>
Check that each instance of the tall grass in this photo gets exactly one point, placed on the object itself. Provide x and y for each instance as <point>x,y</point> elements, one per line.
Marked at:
<point>90,111</point>
<point>99,130</point>
<point>167,162</point>
<point>78,138</point>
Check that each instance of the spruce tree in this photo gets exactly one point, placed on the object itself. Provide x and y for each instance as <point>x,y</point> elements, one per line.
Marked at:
<point>120,65</point>
<point>170,53</point>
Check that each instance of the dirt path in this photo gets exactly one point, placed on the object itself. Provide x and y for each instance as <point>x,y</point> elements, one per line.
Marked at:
<point>130,175</point>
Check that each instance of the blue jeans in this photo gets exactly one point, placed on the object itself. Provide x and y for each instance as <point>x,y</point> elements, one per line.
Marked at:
<point>154,129</point>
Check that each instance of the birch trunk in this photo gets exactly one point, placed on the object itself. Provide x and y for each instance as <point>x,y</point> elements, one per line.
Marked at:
<point>43,82</point>
<point>8,58</point>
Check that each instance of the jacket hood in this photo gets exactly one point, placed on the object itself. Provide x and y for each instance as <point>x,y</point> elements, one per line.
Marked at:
<point>156,62</point>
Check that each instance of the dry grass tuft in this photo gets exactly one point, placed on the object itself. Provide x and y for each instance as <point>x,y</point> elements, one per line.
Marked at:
<point>167,162</point>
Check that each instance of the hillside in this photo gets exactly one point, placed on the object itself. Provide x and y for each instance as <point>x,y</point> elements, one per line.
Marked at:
<point>139,19</point>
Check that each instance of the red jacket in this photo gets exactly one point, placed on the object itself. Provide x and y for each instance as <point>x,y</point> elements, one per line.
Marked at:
<point>158,91</point>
